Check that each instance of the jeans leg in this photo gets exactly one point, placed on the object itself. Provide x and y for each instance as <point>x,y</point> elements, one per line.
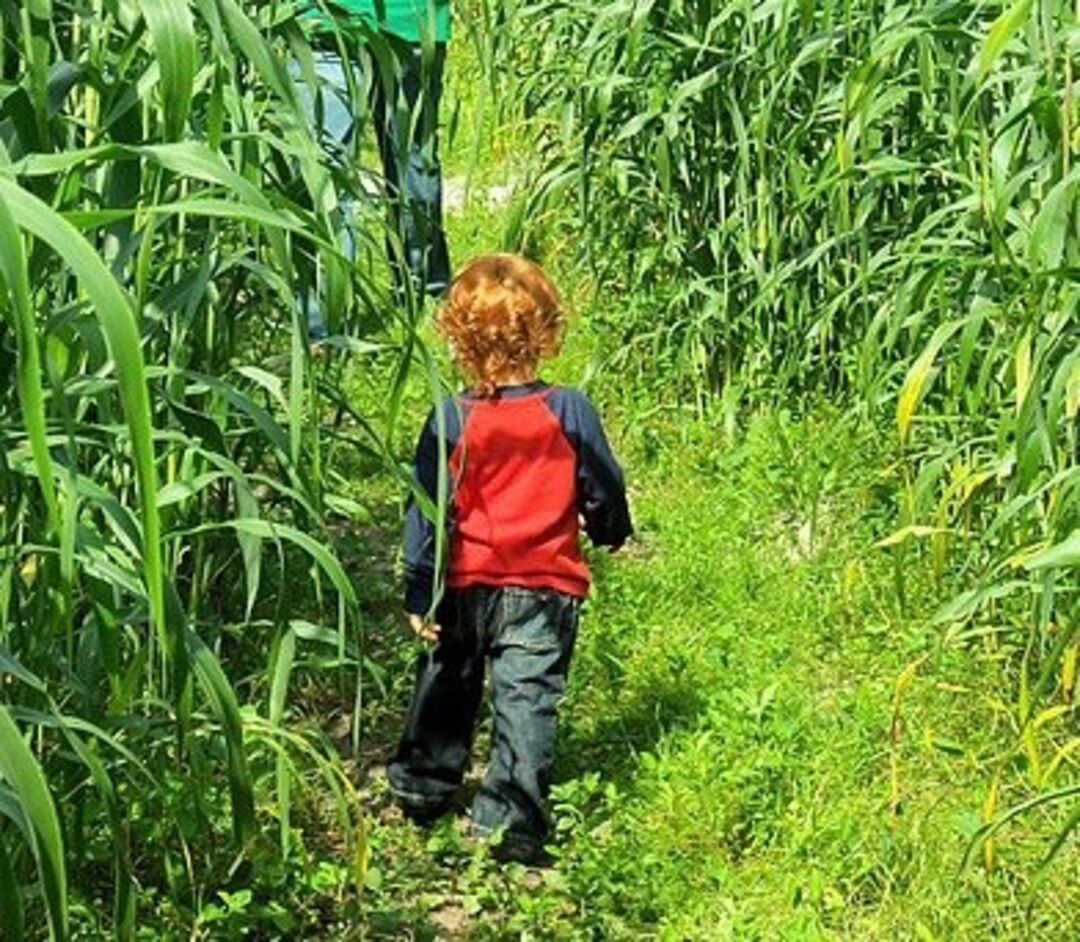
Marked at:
<point>430,762</point>
<point>408,138</point>
<point>531,646</point>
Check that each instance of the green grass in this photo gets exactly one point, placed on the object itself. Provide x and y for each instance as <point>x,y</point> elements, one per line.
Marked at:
<point>769,734</point>
<point>727,754</point>
<point>724,764</point>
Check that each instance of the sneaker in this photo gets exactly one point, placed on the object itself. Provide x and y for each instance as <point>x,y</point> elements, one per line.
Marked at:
<point>513,849</point>
<point>423,815</point>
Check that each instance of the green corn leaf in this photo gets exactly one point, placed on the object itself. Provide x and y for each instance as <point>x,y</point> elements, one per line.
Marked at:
<point>1063,555</point>
<point>989,829</point>
<point>262,419</point>
<point>11,667</point>
<point>268,381</point>
<point>21,771</point>
<point>172,30</point>
<point>118,323</point>
<point>14,276</point>
<point>247,506</point>
<point>34,28</point>
<point>914,387</point>
<point>285,657</point>
<point>265,529</point>
<point>1051,229</point>
<point>255,49</point>
<point>279,681</point>
<point>124,885</point>
<point>1002,30</point>
<point>223,701</point>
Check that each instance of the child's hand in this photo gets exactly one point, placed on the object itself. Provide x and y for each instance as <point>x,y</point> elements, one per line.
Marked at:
<point>427,630</point>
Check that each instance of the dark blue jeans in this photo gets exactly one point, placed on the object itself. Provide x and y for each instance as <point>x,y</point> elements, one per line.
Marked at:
<point>528,638</point>
<point>406,112</point>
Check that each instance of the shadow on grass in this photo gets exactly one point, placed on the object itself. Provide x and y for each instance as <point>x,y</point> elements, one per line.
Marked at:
<point>611,743</point>
<point>621,703</point>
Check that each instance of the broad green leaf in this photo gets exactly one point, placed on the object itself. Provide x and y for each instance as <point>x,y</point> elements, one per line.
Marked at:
<point>15,278</point>
<point>1072,392</point>
<point>1022,361</point>
<point>118,323</point>
<point>1051,229</point>
<point>1002,30</point>
<point>255,49</point>
<point>172,30</point>
<point>279,680</point>
<point>992,827</point>
<point>325,559</point>
<point>915,384</point>
<point>285,655</point>
<point>1063,555</point>
<point>21,771</point>
<point>222,699</point>
<point>911,532</point>
<point>124,884</point>
<point>268,381</point>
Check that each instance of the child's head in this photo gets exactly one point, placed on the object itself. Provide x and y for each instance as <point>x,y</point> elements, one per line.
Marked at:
<point>503,316</point>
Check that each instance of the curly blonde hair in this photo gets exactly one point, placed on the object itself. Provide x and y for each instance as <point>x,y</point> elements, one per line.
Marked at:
<point>502,317</point>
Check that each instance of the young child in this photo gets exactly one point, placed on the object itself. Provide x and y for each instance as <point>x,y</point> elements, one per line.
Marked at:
<point>526,464</point>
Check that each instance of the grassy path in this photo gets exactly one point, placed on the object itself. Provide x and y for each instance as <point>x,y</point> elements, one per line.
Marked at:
<point>735,760</point>
<point>725,763</point>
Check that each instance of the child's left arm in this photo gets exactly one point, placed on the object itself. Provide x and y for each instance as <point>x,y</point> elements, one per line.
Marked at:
<point>601,486</point>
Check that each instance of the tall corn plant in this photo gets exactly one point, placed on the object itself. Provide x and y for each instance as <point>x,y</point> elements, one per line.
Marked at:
<point>876,199</point>
<point>162,203</point>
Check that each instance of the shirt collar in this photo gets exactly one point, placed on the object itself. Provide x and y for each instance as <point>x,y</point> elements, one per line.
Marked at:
<point>515,391</point>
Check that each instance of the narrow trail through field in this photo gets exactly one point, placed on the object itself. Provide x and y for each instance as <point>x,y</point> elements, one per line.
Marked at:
<point>763,737</point>
<point>734,760</point>
<point>724,764</point>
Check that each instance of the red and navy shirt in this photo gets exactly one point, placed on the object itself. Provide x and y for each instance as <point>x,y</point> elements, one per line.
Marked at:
<point>521,467</point>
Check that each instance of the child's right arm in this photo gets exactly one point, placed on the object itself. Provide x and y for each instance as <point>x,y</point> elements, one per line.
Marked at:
<point>420,533</point>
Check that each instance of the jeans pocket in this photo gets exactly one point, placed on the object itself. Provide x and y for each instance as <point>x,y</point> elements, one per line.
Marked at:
<point>537,620</point>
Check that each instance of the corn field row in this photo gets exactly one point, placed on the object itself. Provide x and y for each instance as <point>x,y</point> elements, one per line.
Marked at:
<point>166,562</point>
<point>867,199</point>
<point>870,199</point>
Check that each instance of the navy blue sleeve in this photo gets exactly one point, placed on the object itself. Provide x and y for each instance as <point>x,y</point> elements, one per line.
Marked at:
<point>601,488</point>
<point>421,536</point>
